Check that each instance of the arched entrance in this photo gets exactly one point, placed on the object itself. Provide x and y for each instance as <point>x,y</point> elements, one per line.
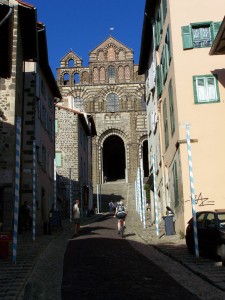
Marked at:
<point>114,158</point>
<point>145,158</point>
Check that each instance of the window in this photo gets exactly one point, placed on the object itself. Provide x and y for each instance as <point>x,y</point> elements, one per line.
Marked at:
<point>199,35</point>
<point>159,80</point>
<point>111,72</point>
<point>165,120</point>
<point>164,5</point>
<point>158,29</point>
<point>78,103</point>
<point>172,119</point>
<point>206,89</point>
<point>175,184</point>
<point>112,102</point>
<point>58,158</point>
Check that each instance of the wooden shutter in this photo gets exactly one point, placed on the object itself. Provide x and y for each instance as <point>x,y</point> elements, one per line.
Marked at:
<point>159,80</point>
<point>187,37</point>
<point>214,29</point>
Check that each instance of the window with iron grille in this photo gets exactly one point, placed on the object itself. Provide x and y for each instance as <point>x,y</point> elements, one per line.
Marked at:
<point>199,35</point>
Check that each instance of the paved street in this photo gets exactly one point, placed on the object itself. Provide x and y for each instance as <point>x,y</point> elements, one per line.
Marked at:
<point>101,265</point>
<point>39,267</point>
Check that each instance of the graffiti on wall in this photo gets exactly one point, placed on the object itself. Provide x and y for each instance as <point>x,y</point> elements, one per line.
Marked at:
<point>202,201</point>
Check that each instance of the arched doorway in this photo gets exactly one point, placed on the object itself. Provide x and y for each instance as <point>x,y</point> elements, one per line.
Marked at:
<point>145,158</point>
<point>114,158</point>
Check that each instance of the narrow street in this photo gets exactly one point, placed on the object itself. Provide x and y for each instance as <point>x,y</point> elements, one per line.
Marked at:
<point>101,265</point>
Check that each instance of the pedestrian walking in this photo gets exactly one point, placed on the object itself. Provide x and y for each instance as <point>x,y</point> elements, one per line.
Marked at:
<point>111,207</point>
<point>76,217</point>
<point>115,204</point>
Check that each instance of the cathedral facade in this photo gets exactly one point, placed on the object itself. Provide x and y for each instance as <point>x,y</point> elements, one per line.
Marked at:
<point>111,91</point>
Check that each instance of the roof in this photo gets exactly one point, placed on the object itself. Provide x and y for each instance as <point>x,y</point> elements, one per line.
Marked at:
<point>112,39</point>
<point>147,35</point>
<point>218,46</point>
<point>43,60</point>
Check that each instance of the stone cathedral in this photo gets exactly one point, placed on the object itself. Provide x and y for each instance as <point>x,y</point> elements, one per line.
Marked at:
<point>111,90</point>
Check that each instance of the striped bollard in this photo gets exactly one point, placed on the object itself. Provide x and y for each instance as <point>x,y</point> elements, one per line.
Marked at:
<point>143,194</point>
<point>54,184</point>
<point>155,196</point>
<point>34,192</point>
<point>17,188</point>
<point>192,190</point>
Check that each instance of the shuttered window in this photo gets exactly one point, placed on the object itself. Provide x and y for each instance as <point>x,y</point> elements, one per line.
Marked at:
<point>199,35</point>
<point>172,118</point>
<point>165,121</point>
<point>206,89</point>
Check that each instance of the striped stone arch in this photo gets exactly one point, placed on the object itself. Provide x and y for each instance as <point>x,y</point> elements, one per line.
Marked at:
<point>112,89</point>
<point>104,134</point>
<point>141,141</point>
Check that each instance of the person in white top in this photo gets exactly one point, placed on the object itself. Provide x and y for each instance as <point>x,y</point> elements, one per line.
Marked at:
<point>76,217</point>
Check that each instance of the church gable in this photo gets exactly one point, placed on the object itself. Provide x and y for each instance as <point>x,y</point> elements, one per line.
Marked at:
<point>111,50</point>
<point>71,59</point>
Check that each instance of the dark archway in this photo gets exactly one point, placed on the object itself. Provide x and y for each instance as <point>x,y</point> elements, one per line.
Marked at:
<point>145,159</point>
<point>114,158</point>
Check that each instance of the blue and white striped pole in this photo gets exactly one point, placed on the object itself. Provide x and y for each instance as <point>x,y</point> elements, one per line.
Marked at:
<point>54,184</point>
<point>17,188</point>
<point>155,197</point>
<point>139,193</point>
<point>192,190</point>
<point>143,193</point>
<point>70,191</point>
<point>34,192</point>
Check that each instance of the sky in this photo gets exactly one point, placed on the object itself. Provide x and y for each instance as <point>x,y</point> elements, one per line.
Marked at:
<point>81,25</point>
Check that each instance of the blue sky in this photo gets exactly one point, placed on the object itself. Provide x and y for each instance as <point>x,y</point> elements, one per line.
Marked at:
<point>81,25</point>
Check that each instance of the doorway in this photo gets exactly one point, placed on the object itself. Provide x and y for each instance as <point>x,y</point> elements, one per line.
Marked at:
<point>114,158</point>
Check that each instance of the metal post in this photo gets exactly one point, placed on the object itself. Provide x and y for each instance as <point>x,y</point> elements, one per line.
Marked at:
<point>155,197</point>
<point>17,188</point>
<point>97,199</point>
<point>54,184</point>
<point>143,194</point>
<point>34,192</point>
<point>192,190</point>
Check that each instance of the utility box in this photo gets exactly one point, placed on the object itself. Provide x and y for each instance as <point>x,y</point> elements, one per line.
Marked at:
<point>169,224</point>
<point>5,240</point>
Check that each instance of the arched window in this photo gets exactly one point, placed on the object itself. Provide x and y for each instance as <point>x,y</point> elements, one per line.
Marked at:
<point>127,72</point>
<point>121,72</point>
<point>101,55</point>
<point>102,74</point>
<point>76,78</point>
<point>121,55</point>
<point>95,75</point>
<point>71,63</point>
<point>66,79</point>
<point>111,73</point>
<point>78,103</point>
<point>112,102</point>
<point>85,77</point>
<point>111,54</point>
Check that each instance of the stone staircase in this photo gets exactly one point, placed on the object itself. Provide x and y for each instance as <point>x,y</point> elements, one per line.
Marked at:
<point>116,191</point>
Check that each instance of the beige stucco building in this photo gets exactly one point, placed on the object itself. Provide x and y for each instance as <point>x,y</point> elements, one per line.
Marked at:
<point>184,85</point>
